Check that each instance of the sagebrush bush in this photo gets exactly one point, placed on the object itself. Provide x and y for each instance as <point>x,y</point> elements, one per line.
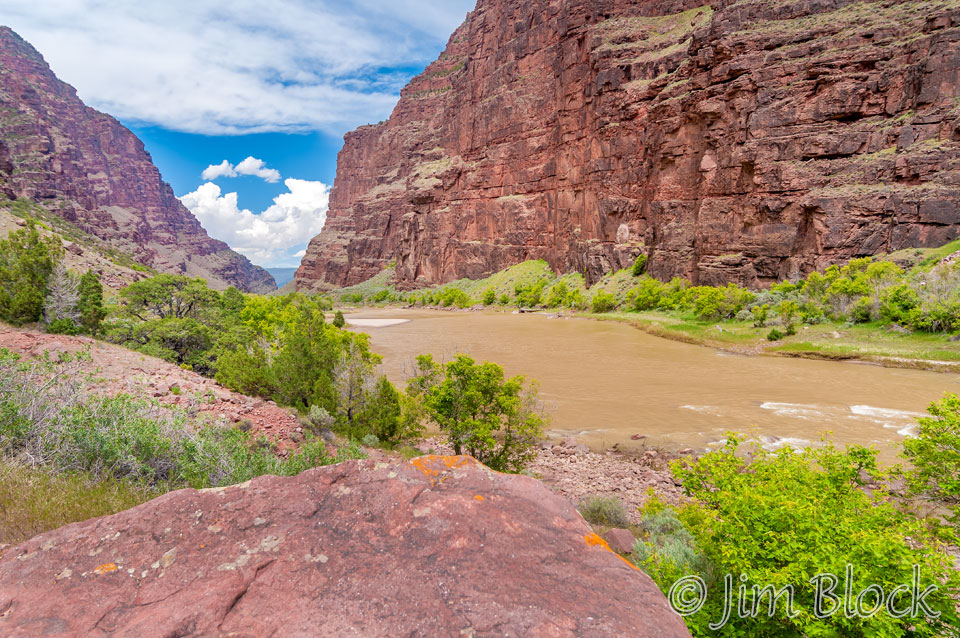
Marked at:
<point>607,511</point>
<point>47,421</point>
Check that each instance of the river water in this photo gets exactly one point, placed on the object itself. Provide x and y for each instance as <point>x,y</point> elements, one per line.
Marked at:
<point>605,382</point>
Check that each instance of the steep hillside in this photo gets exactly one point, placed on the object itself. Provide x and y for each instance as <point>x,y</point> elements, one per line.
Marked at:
<point>741,141</point>
<point>87,168</point>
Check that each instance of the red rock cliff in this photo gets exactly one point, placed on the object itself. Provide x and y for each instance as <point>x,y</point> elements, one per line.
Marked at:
<point>91,170</point>
<point>739,141</point>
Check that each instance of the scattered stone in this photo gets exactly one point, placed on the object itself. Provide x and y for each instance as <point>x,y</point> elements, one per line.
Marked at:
<point>638,437</point>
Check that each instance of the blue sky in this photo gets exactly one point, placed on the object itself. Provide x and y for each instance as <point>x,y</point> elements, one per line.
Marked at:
<point>269,87</point>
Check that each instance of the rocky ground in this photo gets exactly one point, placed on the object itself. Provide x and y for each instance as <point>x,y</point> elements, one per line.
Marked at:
<point>576,472</point>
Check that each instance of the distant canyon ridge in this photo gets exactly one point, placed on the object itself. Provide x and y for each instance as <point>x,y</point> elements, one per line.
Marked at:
<point>88,169</point>
<point>737,141</point>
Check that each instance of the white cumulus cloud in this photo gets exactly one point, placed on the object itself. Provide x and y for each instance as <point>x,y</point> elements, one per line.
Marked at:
<point>240,67</point>
<point>223,169</point>
<point>250,166</point>
<point>275,237</point>
<point>258,168</point>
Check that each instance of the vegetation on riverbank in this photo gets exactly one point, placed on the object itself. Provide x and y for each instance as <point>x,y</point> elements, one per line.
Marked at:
<point>900,311</point>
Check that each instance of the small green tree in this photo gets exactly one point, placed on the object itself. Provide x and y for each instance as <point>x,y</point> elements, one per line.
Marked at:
<point>788,310</point>
<point>760,315</point>
<point>496,420</point>
<point>27,260</point>
<point>90,305</point>
<point>167,295</point>
<point>338,320</point>
<point>489,297</point>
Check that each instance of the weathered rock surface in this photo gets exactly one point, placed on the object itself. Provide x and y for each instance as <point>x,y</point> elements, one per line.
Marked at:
<point>89,169</point>
<point>737,141</point>
<point>438,546</point>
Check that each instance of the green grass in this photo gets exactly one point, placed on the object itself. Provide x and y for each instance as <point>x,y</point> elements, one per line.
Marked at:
<point>33,501</point>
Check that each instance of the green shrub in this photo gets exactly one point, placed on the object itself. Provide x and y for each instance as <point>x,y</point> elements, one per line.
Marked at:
<point>666,550</point>
<point>338,320</point>
<point>381,296</point>
<point>529,295</point>
<point>63,327</point>
<point>558,296</point>
<point>505,299</point>
<point>639,266</point>
<point>370,440</point>
<point>603,301</point>
<point>774,335</point>
<point>862,310</point>
<point>451,296</point>
<point>49,422</point>
<point>934,453</point>
<point>489,297</point>
<point>646,295</point>
<point>783,518</point>
<point>604,511</point>
<point>496,420</point>
<point>896,303</point>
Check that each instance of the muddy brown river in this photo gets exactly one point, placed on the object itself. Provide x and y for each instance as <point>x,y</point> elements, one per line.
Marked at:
<point>604,382</point>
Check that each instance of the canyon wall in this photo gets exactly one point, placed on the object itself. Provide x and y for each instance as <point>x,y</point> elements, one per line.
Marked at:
<point>86,167</point>
<point>745,141</point>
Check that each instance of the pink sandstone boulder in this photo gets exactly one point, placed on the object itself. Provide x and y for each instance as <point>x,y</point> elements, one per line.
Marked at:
<point>620,540</point>
<point>437,546</point>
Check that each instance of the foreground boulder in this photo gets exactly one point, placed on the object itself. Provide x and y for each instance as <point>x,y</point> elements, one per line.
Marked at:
<point>438,546</point>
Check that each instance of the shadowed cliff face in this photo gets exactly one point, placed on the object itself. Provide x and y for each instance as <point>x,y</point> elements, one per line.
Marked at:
<point>740,141</point>
<point>88,168</point>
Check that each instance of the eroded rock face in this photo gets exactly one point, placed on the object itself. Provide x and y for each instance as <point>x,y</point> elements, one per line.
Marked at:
<point>738,141</point>
<point>88,168</point>
<point>438,546</point>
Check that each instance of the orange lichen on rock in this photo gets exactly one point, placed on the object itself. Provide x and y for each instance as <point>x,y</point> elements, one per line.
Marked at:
<point>106,568</point>
<point>478,497</point>
<point>594,540</point>
<point>435,465</point>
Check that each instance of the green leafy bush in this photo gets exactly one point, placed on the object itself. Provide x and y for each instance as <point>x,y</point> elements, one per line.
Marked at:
<point>783,518</point>
<point>639,266</point>
<point>934,453</point>
<point>646,295</point>
<point>603,301</point>
<point>496,420</point>
<point>774,335</point>
<point>338,320</point>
